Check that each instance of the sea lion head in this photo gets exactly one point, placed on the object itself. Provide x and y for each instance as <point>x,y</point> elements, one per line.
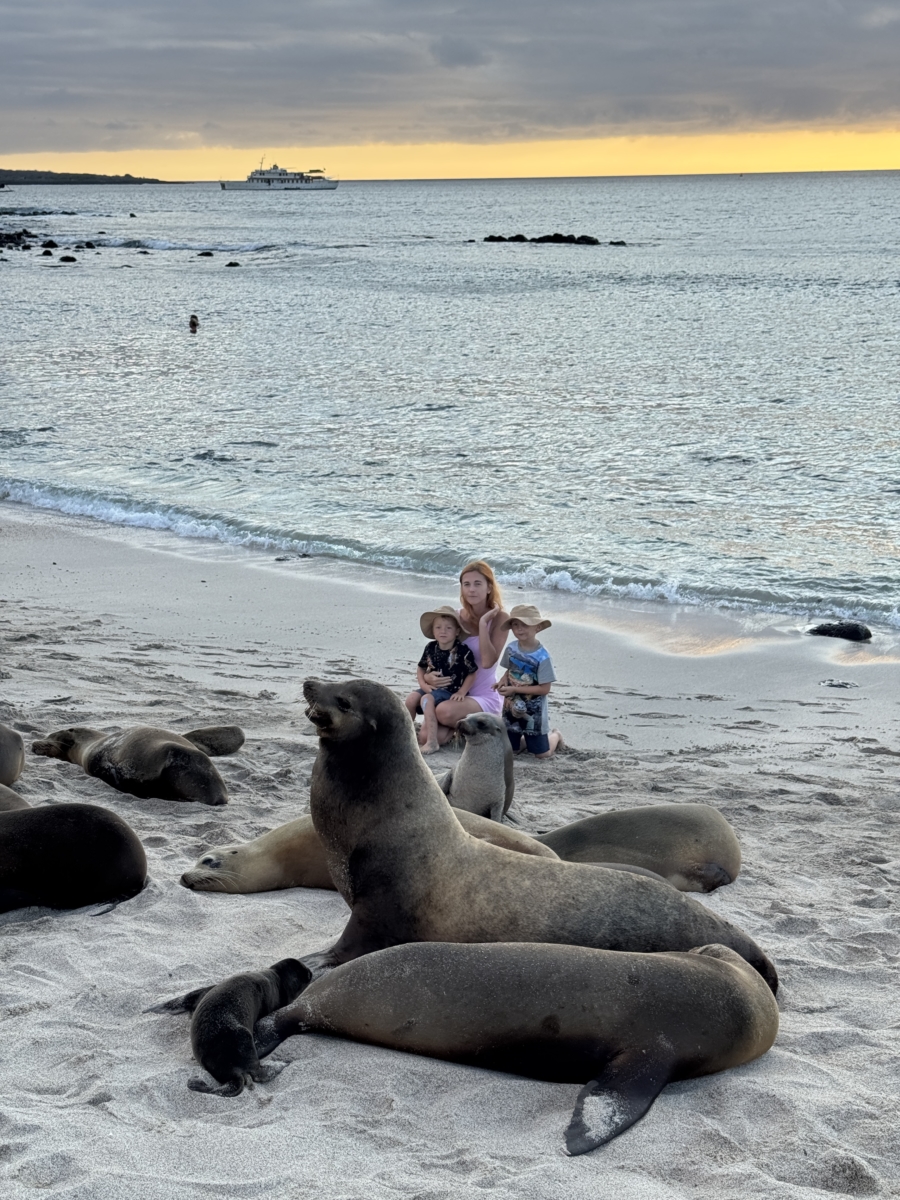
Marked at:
<point>478,728</point>
<point>358,708</point>
<point>58,744</point>
<point>211,873</point>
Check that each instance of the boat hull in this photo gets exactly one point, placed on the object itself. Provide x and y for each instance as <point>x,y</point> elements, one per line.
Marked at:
<point>243,185</point>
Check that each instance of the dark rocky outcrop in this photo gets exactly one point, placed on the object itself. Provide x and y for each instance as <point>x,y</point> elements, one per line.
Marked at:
<point>853,631</point>
<point>232,264</point>
<point>68,258</point>
<point>555,239</point>
<point>205,254</point>
<point>49,245</point>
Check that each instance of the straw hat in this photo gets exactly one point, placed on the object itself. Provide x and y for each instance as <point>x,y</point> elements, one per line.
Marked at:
<point>528,615</point>
<point>426,621</point>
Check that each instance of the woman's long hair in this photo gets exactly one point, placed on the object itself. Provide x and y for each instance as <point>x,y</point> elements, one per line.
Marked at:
<point>494,596</point>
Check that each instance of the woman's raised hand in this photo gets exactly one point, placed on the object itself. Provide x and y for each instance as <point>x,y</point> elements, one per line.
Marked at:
<point>489,615</point>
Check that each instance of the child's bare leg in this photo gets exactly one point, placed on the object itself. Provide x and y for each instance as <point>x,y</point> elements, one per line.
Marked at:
<point>555,738</point>
<point>429,727</point>
<point>412,703</point>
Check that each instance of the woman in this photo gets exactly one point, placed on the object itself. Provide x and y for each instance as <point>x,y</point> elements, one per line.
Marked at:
<point>481,617</point>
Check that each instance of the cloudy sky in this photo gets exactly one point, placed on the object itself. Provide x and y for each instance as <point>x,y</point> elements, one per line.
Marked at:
<point>78,75</point>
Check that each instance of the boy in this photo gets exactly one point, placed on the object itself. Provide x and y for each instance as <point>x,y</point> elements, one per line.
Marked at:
<point>526,684</point>
<point>445,655</point>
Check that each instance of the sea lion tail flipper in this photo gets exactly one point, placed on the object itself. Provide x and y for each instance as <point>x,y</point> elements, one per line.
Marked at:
<point>217,740</point>
<point>181,1004</point>
<point>621,1094</point>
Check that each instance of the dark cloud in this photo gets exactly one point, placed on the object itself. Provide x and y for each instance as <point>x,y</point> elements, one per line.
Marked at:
<point>106,74</point>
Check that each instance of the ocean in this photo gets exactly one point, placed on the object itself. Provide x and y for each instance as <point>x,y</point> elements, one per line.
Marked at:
<point>707,415</point>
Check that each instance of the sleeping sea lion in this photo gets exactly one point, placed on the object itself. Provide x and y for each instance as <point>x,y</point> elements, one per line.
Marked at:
<point>12,755</point>
<point>223,1020</point>
<point>147,762</point>
<point>66,856</point>
<point>623,1024</point>
<point>293,856</point>
<point>691,845</point>
<point>482,781</point>
<point>410,872</point>
<point>10,800</point>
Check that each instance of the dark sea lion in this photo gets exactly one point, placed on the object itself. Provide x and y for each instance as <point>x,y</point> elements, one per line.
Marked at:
<point>691,845</point>
<point>624,1024</point>
<point>223,1020</point>
<point>410,872</point>
<point>293,856</point>
<point>482,781</point>
<point>12,755</point>
<point>66,856</point>
<point>10,800</point>
<point>147,762</point>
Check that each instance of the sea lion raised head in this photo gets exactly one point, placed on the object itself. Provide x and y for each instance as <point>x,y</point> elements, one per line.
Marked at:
<point>63,742</point>
<point>354,710</point>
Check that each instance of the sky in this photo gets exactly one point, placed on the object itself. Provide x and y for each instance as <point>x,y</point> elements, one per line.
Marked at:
<point>198,88</point>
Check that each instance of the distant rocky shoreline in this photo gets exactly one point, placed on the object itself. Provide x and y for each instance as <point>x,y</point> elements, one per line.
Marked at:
<point>26,177</point>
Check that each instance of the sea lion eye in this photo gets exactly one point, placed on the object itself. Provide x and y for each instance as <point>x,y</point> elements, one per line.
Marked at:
<point>343,705</point>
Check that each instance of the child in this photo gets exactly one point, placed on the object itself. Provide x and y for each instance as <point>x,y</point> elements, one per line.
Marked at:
<point>526,683</point>
<point>445,655</point>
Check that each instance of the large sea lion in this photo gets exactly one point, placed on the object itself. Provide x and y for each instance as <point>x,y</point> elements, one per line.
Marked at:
<point>12,755</point>
<point>691,845</point>
<point>410,872</point>
<point>628,1023</point>
<point>293,856</point>
<point>66,856</point>
<point>223,1020</point>
<point>482,781</point>
<point>146,762</point>
<point>10,800</point>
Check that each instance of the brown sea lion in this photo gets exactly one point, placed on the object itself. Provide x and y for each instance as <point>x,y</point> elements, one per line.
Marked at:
<point>12,755</point>
<point>223,1020</point>
<point>410,872</point>
<point>148,762</point>
<point>623,1024</point>
<point>293,856</point>
<point>66,856</point>
<point>482,781</point>
<point>691,845</point>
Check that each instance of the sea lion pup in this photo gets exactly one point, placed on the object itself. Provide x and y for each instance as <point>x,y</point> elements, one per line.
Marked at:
<point>293,856</point>
<point>410,872</point>
<point>66,856</point>
<point>10,800</point>
<point>223,1020</point>
<point>691,845</point>
<point>12,755</point>
<point>627,1023</point>
<point>149,762</point>
<point>482,781</point>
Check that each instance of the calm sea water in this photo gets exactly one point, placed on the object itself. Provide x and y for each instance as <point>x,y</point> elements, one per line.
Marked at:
<point>707,415</point>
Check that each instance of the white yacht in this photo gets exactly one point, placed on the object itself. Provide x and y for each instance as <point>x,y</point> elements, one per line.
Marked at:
<point>279,179</point>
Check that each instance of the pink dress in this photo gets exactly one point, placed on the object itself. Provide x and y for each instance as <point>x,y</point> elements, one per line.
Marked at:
<point>482,690</point>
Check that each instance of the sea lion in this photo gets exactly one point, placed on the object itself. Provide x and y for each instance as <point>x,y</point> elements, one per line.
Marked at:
<point>293,856</point>
<point>482,781</point>
<point>691,845</point>
<point>410,872</point>
<point>223,1020</point>
<point>627,1023</point>
<point>12,755</point>
<point>10,800</point>
<point>66,856</point>
<point>146,762</point>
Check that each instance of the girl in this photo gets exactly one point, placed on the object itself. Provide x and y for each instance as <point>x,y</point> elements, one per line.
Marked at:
<point>482,619</point>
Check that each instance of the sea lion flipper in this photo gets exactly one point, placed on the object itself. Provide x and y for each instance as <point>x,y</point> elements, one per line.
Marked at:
<point>445,781</point>
<point>181,1004</point>
<point>217,740</point>
<point>234,1087</point>
<point>621,1094</point>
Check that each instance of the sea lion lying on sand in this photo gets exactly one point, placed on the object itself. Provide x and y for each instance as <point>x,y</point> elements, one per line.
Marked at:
<point>482,781</point>
<point>223,1020</point>
<point>691,845</point>
<point>12,755</point>
<point>410,872</point>
<point>628,1023</point>
<point>66,856</point>
<point>293,856</point>
<point>148,762</point>
<point>10,800</point>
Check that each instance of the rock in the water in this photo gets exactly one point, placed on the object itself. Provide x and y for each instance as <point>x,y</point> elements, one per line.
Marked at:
<point>46,254</point>
<point>853,631</point>
<point>232,264</point>
<point>619,242</point>
<point>49,245</point>
<point>68,258</point>
<point>205,254</point>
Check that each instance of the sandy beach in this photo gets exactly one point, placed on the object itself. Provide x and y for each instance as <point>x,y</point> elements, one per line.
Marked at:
<point>110,627</point>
